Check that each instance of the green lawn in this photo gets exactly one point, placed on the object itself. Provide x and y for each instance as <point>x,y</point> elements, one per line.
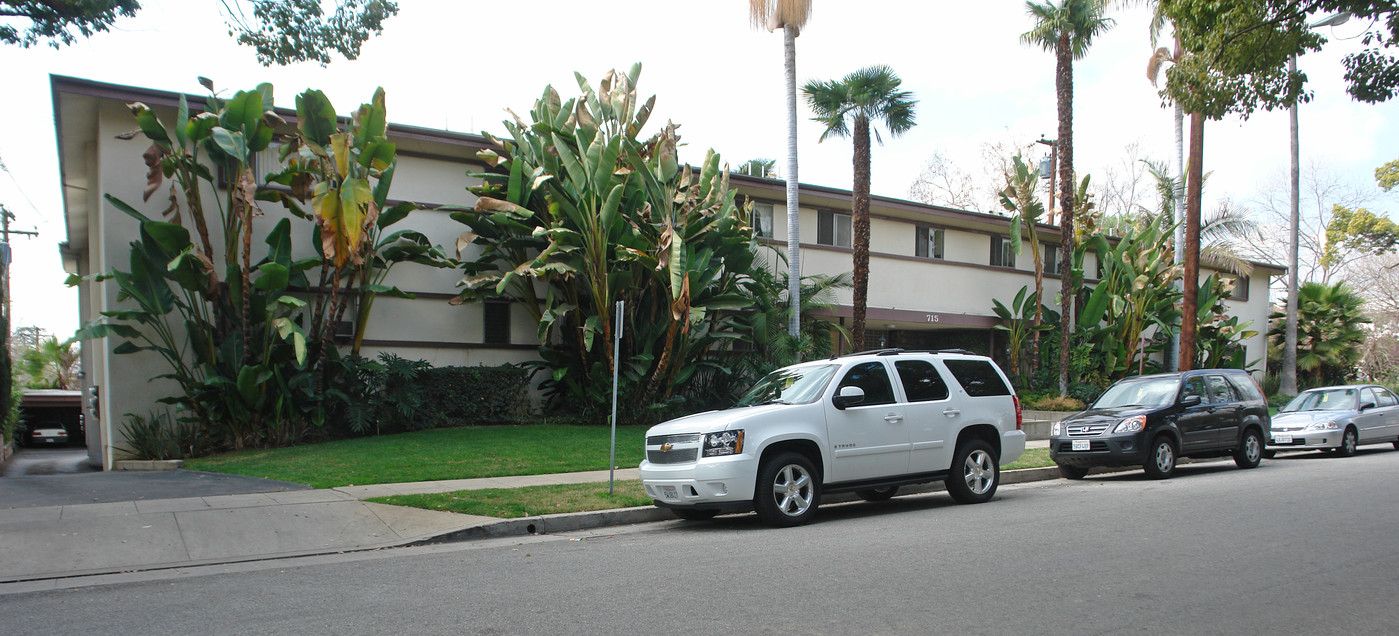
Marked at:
<point>512,503</point>
<point>1033,458</point>
<point>449,453</point>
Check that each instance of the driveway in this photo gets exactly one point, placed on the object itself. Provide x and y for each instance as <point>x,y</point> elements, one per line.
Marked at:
<point>62,477</point>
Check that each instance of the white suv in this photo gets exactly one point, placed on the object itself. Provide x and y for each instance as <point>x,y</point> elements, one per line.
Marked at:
<point>864,423</point>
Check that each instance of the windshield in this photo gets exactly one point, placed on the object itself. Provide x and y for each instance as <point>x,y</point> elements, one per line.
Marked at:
<point>793,385</point>
<point>1322,400</point>
<point>1142,392</point>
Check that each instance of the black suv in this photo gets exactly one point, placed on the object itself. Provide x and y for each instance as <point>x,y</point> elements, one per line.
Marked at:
<point>1150,420</point>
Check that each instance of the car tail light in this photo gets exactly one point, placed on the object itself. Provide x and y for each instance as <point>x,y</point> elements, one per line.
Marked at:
<point>1019,413</point>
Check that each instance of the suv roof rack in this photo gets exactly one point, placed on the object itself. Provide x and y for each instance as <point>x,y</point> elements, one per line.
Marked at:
<point>895,351</point>
<point>872,352</point>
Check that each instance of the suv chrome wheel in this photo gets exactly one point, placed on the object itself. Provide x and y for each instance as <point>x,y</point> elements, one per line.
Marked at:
<point>979,472</point>
<point>975,473</point>
<point>788,491</point>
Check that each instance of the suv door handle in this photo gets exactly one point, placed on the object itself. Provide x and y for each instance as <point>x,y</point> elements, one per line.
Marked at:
<point>893,418</point>
<point>952,412</point>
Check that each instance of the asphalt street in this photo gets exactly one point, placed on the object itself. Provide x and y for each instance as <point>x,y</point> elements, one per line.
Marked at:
<point>64,477</point>
<point>1305,544</point>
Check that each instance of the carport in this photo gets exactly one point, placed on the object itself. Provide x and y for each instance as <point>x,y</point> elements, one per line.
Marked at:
<point>54,405</point>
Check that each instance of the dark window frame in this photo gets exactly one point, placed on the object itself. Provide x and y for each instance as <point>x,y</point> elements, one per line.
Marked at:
<point>826,226</point>
<point>495,321</point>
<point>1001,253</point>
<point>930,242</point>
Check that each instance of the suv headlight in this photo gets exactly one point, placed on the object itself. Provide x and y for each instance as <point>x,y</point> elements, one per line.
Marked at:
<point>1130,425</point>
<point>1324,426</point>
<point>1057,429</point>
<point>723,443</point>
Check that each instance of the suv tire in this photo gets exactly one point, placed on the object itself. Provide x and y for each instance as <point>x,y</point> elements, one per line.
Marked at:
<point>1250,450</point>
<point>1161,461</point>
<point>788,490</point>
<point>975,473</point>
<point>878,494</point>
<point>1072,472</point>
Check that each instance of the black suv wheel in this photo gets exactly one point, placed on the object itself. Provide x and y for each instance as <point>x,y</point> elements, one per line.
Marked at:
<point>1161,462</point>
<point>1250,452</point>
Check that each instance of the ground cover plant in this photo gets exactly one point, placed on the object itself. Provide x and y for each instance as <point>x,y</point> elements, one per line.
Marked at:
<point>455,453</point>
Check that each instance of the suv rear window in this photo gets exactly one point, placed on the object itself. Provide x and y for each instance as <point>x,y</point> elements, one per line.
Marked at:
<point>1245,387</point>
<point>977,377</point>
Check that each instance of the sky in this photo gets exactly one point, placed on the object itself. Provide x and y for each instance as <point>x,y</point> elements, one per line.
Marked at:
<point>459,64</point>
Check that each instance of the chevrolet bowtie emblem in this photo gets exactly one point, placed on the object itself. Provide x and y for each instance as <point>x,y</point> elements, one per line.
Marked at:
<point>666,447</point>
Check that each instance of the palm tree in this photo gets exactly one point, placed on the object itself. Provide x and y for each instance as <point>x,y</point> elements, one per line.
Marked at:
<point>1221,232</point>
<point>764,168</point>
<point>1067,29</point>
<point>1158,61</point>
<point>846,107</point>
<point>1019,199</point>
<point>791,17</point>
<point>1328,331</point>
<point>51,364</point>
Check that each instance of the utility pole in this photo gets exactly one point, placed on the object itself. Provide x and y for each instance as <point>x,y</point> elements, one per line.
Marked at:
<point>5,232</point>
<point>5,362</point>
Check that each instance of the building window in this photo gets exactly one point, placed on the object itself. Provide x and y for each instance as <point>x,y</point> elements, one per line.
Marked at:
<point>1001,254</point>
<point>1240,292</point>
<point>928,241</point>
<point>762,220</point>
<point>1051,259</point>
<point>495,320</point>
<point>832,228</point>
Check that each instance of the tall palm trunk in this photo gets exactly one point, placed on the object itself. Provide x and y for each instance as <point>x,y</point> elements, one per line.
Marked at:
<point>1177,216</point>
<point>1192,243</point>
<point>1039,299</point>
<point>1288,385</point>
<point>1064,88</point>
<point>794,256</point>
<point>860,228</point>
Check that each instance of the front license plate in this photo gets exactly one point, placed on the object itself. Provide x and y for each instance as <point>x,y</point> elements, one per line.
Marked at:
<point>668,492</point>
<point>1282,439</point>
<point>1082,444</point>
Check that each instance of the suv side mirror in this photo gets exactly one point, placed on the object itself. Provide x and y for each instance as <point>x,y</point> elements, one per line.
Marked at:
<point>1190,400</point>
<point>848,396</point>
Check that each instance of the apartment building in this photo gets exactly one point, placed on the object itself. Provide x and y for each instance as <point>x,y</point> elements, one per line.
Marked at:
<point>933,271</point>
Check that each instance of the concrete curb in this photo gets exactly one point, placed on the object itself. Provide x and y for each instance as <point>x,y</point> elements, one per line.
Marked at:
<point>148,464</point>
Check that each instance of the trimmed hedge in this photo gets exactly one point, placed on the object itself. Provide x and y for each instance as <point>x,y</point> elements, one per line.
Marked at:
<point>476,396</point>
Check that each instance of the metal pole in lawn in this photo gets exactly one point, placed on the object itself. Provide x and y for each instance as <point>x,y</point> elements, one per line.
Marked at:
<point>616,362</point>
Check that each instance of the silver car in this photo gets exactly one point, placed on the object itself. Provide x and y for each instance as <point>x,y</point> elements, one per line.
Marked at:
<point>1336,418</point>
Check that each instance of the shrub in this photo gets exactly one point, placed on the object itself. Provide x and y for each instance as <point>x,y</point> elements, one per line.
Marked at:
<point>1056,403</point>
<point>1279,400</point>
<point>159,435</point>
<point>1270,384</point>
<point>467,396</point>
<point>380,396</point>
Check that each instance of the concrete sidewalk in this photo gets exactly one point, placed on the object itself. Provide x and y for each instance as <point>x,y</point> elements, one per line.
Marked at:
<point>46,545</point>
